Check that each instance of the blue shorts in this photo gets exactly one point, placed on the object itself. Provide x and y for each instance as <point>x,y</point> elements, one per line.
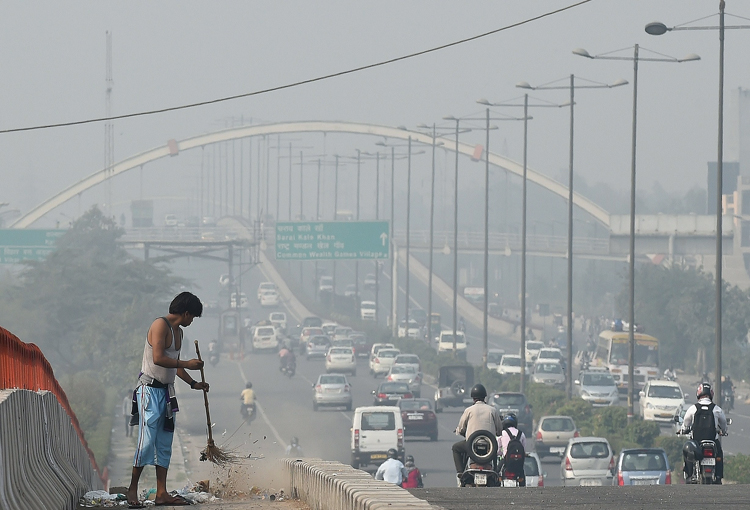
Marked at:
<point>154,445</point>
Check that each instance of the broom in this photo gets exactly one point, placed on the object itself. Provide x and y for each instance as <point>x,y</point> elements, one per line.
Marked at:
<point>212,453</point>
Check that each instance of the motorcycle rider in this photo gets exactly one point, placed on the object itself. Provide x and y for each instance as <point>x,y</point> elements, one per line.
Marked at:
<point>478,416</point>
<point>286,357</point>
<point>717,425</point>
<point>461,324</point>
<point>392,470</point>
<point>294,449</point>
<point>413,478</point>
<point>727,387</point>
<point>248,399</point>
<point>510,431</point>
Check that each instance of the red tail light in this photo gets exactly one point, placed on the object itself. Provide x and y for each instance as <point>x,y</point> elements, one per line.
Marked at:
<point>708,452</point>
<point>538,435</point>
<point>541,480</point>
<point>408,395</point>
<point>576,434</point>
<point>389,378</point>
<point>568,466</point>
<point>612,464</point>
<point>318,389</point>
<point>621,480</point>
<point>346,388</point>
<point>376,360</point>
<point>527,410</point>
<point>668,479</point>
<point>382,395</point>
<point>356,438</point>
<point>400,438</point>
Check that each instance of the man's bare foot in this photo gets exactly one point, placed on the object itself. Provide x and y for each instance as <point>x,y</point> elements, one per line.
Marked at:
<point>170,500</point>
<point>133,498</point>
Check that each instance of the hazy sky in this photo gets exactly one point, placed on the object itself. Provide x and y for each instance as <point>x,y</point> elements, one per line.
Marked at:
<point>52,69</point>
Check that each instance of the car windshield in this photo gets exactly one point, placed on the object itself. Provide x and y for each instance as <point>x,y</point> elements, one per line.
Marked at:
<point>367,306</point>
<point>278,317</point>
<point>394,388</point>
<point>387,353</point>
<point>403,369</point>
<point>320,340</point>
<point>340,350</point>
<point>332,379</point>
<point>589,450</point>
<point>265,331</point>
<point>414,360</point>
<point>549,354</point>
<point>644,461</point>
<point>267,286</point>
<point>448,338</point>
<point>534,346</point>
<point>664,392</point>
<point>557,425</point>
<point>509,400</point>
<point>415,405</point>
<point>378,421</point>
<point>548,368</point>
<point>511,361</point>
<point>530,467</point>
<point>494,357</point>
<point>597,380</point>
<point>315,322</point>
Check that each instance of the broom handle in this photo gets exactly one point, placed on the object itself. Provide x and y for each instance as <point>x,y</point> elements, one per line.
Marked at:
<point>205,396</point>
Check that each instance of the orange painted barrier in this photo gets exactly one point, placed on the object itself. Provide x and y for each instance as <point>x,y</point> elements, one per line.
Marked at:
<point>23,366</point>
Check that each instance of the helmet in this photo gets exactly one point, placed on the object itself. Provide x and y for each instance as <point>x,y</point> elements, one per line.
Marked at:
<point>478,392</point>
<point>510,420</point>
<point>249,385</point>
<point>410,458</point>
<point>295,441</point>
<point>704,390</point>
<point>392,453</point>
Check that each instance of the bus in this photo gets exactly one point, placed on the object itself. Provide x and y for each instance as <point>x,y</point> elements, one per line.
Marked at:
<point>612,354</point>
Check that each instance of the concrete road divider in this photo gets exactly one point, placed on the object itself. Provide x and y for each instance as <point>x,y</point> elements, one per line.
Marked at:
<point>329,485</point>
<point>43,463</point>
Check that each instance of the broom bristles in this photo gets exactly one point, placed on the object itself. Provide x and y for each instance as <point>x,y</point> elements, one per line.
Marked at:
<point>216,455</point>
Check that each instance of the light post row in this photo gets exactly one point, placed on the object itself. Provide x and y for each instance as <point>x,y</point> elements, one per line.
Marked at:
<point>571,86</point>
<point>631,262</point>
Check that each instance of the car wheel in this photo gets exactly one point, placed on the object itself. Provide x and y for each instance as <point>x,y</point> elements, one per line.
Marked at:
<point>434,437</point>
<point>355,464</point>
<point>349,407</point>
<point>438,409</point>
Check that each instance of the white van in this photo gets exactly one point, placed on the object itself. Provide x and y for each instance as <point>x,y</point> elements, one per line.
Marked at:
<point>375,430</point>
<point>265,338</point>
<point>264,286</point>
<point>445,343</point>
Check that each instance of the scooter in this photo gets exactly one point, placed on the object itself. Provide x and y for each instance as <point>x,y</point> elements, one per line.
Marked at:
<point>247,412</point>
<point>289,368</point>
<point>481,469</point>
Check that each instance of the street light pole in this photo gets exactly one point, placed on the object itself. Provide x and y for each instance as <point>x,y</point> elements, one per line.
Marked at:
<point>523,244</point>
<point>432,232</point>
<point>356,262</point>
<point>631,262</point>
<point>408,232</point>
<point>377,217</point>
<point>394,255</point>
<point>486,240</point>
<point>455,245</point>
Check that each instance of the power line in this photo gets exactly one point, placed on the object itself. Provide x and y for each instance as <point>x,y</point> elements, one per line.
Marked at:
<point>298,83</point>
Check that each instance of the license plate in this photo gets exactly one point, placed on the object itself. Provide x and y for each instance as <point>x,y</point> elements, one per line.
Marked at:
<point>480,479</point>
<point>557,449</point>
<point>601,401</point>
<point>645,482</point>
<point>591,482</point>
<point>378,456</point>
<point>708,462</point>
<point>510,483</point>
<point>331,390</point>
<point>415,417</point>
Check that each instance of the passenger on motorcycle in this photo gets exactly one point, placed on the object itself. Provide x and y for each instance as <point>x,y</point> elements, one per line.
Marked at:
<point>478,416</point>
<point>413,478</point>
<point>510,432</point>
<point>392,470</point>
<point>705,420</point>
<point>294,449</point>
<point>286,357</point>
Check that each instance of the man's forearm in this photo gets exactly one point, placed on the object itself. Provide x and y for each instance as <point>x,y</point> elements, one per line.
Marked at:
<point>182,374</point>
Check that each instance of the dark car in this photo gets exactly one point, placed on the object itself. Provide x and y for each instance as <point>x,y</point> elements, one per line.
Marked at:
<point>310,322</point>
<point>418,417</point>
<point>454,384</point>
<point>517,404</point>
<point>642,466</point>
<point>361,345</point>
<point>389,393</point>
<point>317,346</point>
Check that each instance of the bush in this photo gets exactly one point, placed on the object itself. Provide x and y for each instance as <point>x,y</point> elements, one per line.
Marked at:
<point>578,409</point>
<point>489,378</point>
<point>610,420</point>
<point>673,446</point>
<point>643,433</point>
<point>737,468</point>
<point>86,396</point>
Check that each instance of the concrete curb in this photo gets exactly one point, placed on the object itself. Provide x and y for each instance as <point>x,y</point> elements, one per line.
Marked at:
<point>42,461</point>
<point>329,485</point>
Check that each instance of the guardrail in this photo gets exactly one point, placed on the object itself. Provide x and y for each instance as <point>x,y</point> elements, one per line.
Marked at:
<point>329,485</point>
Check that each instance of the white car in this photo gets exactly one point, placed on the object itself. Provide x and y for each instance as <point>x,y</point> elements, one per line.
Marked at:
<point>493,358</point>
<point>532,349</point>
<point>170,220</point>
<point>407,374</point>
<point>413,329</point>
<point>325,284</point>
<point>509,364</point>
<point>329,327</point>
<point>269,298</point>
<point>597,388</point>
<point>244,303</point>
<point>383,361</point>
<point>342,333</point>
<point>409,359</point>
<point>367,310</point>
<point>370,281</point>
<point>264,286</point>
<point>341,359</point>
<point>350,291</point>
<point>661,400</point>
<point>265,338</point>
<point>532,469</point>
<point>550,353</point>
<point>445,343</point>
<point>548,372</point>
<point>278,319</point>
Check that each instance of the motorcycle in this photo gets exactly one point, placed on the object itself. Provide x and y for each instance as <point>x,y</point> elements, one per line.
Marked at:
<point>247,412</point>
<point>727,400</point>
<point>481,469</point>
<point>703,457</point>
<point>289,368</point>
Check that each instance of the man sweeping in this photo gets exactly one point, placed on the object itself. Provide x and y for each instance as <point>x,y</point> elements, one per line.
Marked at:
<point>155,396</point>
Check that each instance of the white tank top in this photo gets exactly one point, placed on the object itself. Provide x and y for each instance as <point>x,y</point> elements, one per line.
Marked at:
<point>148,367</point>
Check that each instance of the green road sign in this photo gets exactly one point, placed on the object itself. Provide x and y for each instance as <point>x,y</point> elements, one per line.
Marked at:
<point>17,245</point>
<point>332,240</point>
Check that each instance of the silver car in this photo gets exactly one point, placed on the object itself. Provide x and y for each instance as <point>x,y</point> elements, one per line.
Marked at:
<point>332,390</point>
<point>598,388</point>
<point>548,372</point>
<point>588,461</point>
<point>407,374</point>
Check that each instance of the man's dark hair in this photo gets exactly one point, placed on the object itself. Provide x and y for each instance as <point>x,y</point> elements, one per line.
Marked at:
<point>186,302</point>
